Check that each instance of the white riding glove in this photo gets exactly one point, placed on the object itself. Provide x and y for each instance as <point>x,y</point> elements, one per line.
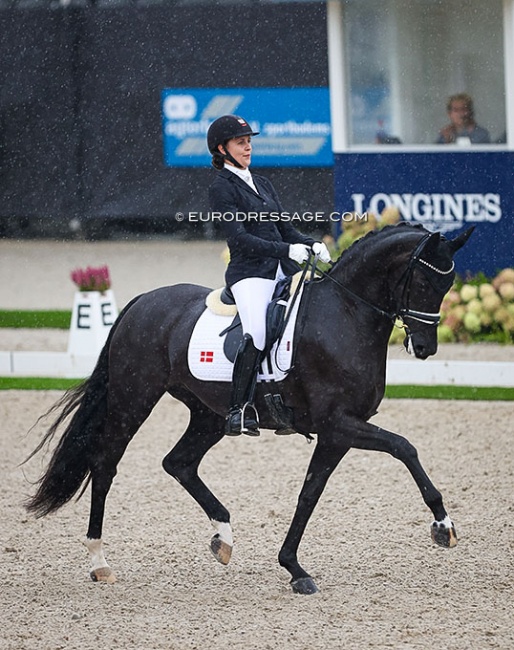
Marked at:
<point>299,253</point>
<point>319,249</point>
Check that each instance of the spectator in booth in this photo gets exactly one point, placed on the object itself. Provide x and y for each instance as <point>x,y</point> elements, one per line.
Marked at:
<point>382,137</point>
<point>462,128</point>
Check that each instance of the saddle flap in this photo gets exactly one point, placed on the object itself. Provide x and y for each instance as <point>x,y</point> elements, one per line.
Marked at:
<point>233,337</point>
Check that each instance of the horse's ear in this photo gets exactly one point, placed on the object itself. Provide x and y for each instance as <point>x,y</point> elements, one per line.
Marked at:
<point>458,242</point>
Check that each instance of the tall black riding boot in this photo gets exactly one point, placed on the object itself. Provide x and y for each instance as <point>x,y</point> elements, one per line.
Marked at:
<point>242,416</point>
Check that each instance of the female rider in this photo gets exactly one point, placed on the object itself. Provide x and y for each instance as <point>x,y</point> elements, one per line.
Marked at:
<point>262,252</point>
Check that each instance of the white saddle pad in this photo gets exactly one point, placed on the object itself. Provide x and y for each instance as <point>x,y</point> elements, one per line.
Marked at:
<point>207,360</point>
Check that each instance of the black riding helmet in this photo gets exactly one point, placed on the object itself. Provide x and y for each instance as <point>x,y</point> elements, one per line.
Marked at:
<point>223,129</point>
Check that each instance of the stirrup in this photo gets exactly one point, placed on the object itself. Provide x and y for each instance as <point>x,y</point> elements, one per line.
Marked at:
<point>250,426</point>
<point>237,419</point>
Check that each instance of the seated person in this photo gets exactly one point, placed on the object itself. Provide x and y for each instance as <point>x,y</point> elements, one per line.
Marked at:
<point>383,138</point>
<point>462,128</point>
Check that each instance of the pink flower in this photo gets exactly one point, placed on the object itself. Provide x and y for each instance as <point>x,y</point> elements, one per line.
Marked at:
<point>92,279</point>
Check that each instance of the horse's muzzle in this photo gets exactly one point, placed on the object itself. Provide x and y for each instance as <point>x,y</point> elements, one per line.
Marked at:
<point>420,345</point>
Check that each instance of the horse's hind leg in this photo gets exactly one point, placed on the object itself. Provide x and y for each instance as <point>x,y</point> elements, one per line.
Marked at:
<point>205,429</point>
<point>368,436</point>
<point>125,417</point>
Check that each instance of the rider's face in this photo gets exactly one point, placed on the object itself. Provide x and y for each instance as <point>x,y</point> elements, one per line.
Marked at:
<point>240,149</point>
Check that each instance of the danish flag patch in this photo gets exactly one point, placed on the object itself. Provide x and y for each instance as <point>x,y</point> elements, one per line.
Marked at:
<point>206,357</point>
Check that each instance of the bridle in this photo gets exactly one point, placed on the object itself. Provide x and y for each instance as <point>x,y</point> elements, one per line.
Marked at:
<point>430,271</point>
<point>402,310</point>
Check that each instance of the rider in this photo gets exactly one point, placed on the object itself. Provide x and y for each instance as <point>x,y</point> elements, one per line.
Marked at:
<point>262,252</point>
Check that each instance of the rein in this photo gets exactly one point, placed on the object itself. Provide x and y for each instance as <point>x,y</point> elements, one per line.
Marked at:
<point>401,313</point>
<point>389,315</point>
<point>292,302</point>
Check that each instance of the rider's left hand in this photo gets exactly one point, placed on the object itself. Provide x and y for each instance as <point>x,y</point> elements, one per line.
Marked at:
<point>319,249</point>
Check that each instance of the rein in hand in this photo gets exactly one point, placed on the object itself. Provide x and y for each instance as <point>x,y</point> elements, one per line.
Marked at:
<point>427,318</point>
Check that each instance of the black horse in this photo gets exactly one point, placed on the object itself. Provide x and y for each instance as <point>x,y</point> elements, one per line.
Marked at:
<point>334,387</point>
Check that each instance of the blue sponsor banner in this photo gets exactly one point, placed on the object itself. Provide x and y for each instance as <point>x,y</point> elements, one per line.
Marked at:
<point>293,124</point>
<point>447,191</point>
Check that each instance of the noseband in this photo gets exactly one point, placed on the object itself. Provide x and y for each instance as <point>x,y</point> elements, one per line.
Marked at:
<point>438,278</point>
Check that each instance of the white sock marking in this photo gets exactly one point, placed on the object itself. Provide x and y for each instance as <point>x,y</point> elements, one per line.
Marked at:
<point>224,531</point>
<point>94,546</point>
<point>446,522</point>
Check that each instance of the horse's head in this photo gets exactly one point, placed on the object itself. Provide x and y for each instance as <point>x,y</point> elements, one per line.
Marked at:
<point>420,290</point>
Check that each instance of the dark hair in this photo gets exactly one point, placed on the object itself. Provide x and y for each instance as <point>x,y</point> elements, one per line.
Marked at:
<point>218,160</point>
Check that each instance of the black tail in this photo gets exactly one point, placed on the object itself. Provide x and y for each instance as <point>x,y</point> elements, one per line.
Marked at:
<point>69,465</point>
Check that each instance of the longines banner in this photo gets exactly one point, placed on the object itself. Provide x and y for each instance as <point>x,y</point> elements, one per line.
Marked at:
<point>447,191</point>
<point>293,124</point>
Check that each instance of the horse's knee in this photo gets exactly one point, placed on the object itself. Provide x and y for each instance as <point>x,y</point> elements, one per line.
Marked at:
<point>175,467</point>
<point>404,450</point>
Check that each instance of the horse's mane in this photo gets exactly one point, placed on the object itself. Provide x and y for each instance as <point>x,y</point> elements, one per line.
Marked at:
<point>393,229</point>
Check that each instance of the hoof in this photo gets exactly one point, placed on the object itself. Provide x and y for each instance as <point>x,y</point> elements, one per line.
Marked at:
<point>285,431</point>
<point>443,533</point>
<point>103,574</point>
<point>220,549</point>
<point>304,586</point>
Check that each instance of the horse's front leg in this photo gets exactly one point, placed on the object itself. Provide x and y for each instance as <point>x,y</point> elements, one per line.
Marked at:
<point>368,436</point>
<point>204,431</point>
<point>325,459</point>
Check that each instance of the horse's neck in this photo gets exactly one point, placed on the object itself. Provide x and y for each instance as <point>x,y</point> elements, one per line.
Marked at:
<point>364,271</point>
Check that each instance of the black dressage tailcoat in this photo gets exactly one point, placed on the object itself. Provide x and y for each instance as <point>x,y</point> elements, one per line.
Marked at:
<point>257,240</point>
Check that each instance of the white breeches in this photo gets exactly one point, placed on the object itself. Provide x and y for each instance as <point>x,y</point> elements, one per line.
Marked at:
<point>252,296</point>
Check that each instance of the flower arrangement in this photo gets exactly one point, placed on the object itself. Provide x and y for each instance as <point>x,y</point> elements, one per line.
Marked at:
<point>92,279</point>
<point>357,226</point>
<point>476,309</point>
<point>479,309</point>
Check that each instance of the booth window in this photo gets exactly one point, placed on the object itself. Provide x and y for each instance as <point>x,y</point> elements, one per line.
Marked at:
<point>405,58</point>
